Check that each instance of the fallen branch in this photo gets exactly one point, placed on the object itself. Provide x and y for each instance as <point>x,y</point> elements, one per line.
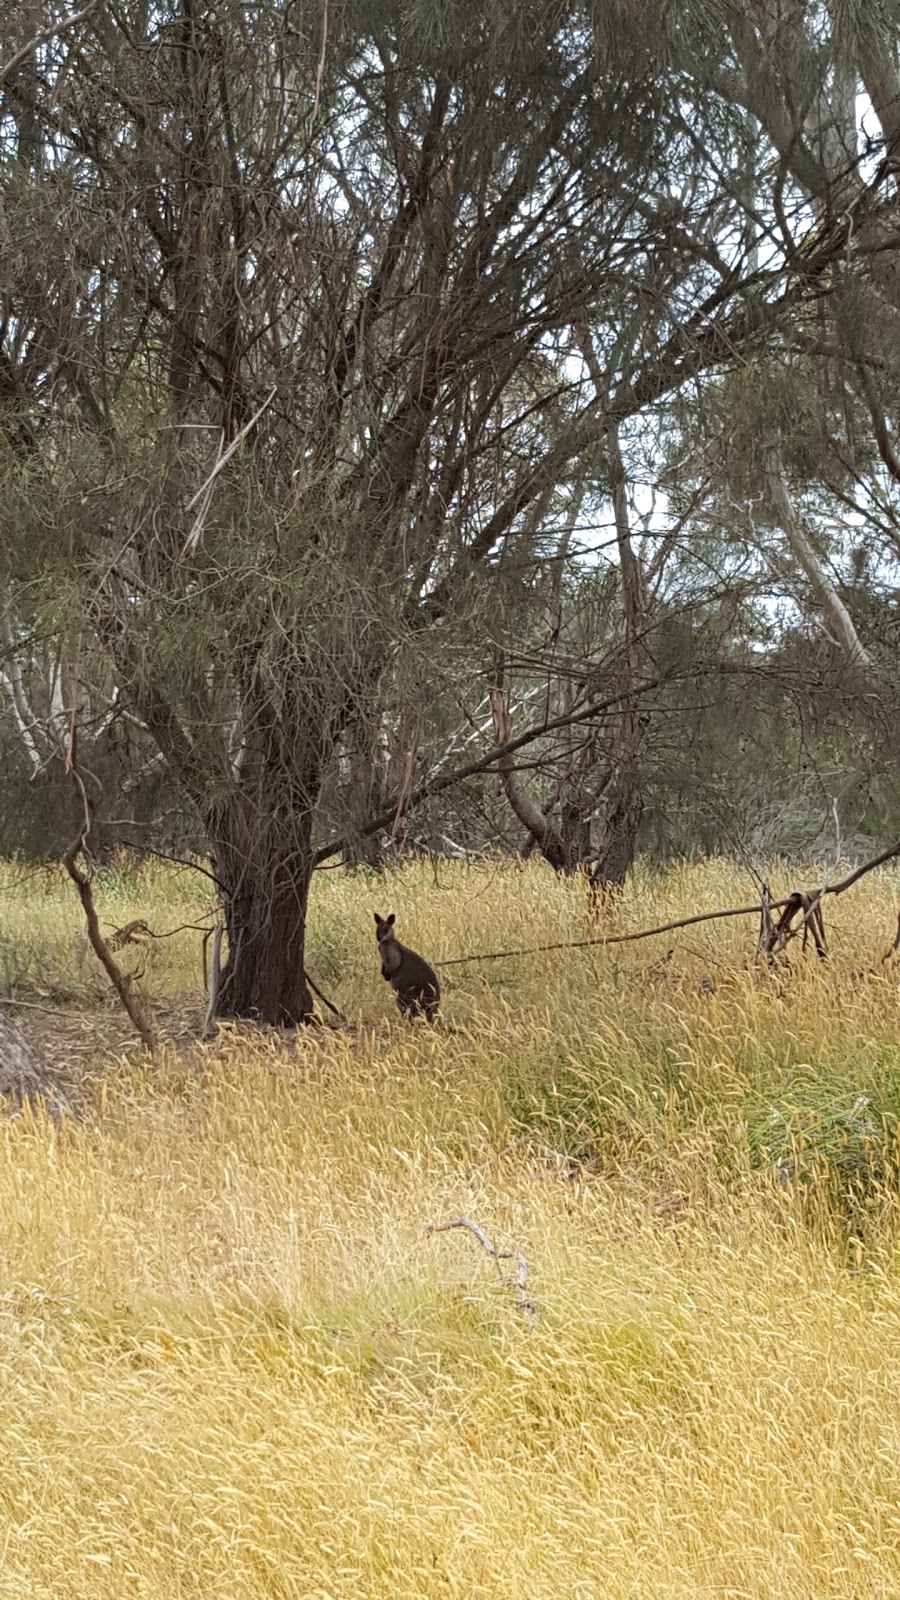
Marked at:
<point>607,938</point>
<point>132,933</point>
<point>32,1005</point>
<point>524,1303</point>
<point>800,899</point>
<point>860,872</point>
<point>774,936</point>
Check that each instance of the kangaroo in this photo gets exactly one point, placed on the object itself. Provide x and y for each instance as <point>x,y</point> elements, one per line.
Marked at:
<point>414,982</point>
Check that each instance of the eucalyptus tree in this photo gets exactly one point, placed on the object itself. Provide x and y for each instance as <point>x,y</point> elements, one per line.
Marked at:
<point>296,311</point>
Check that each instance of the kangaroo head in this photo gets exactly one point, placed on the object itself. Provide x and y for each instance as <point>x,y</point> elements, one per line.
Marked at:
<point>384,927</point>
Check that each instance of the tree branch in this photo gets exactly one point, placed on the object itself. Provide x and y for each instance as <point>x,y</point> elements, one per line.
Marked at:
<point>446,780</point>
<point>809,562</point>
<point>531,816</point>
<point>524,1303</point>
<point>7,68</point>
<point>683,922</point>
<point>82,880</point>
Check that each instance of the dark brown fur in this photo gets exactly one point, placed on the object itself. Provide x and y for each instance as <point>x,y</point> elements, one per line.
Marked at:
<point>414,982</point>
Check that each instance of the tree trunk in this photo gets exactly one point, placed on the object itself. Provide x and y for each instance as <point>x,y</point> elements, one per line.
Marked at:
<point>620,821</point>
<point>576,766</point>
<point>264,860</point>
<point>623,801</point>
<point>839,623</point>
<point>530,815</point>
<point>620,811</point>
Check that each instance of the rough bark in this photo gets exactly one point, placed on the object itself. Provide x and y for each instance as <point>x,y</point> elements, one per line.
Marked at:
<point>622,813</point>
<point>264,864</point>
<point>576,763</point>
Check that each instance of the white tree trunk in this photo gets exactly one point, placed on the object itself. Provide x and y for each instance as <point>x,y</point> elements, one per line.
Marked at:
<point>837,617</point>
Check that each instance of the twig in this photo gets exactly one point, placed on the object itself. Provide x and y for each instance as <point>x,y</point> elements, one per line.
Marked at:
<point>180,861</point>
<point>320,68</point>
<point>324,998</point>
<point>32,1005</point>
<point>860,872</point>
<point>30,45</point>
<point>524,1303</point>
<point>133,928</point>
<point>204,493</point>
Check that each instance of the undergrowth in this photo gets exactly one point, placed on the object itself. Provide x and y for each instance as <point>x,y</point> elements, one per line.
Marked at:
<point>234,1363</point>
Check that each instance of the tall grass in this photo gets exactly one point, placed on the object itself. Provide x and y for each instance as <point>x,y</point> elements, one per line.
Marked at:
<point>234,1363</point>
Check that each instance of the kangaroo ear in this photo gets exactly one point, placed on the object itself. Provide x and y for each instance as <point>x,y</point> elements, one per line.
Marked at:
<point>377,919</point>
<point>390,921</point>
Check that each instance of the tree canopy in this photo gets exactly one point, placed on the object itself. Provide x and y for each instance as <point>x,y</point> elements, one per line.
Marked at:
<point>392,395</point>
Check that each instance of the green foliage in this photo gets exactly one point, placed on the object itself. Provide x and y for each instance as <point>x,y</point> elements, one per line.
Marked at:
<point>399,289</point>
<point>830,1143</point>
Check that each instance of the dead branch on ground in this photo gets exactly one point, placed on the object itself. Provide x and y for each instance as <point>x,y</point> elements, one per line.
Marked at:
<point>520,1278</point>
<point>800,900</point>
<point>776,933</point>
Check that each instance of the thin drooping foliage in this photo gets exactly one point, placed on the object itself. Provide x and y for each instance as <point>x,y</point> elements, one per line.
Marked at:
<point>324,338</point>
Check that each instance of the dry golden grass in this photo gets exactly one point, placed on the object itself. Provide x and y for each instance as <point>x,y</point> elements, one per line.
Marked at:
<point>233,1363</point>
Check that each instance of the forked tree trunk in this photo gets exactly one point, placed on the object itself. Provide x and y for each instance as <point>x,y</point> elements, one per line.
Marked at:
<point>264,865</point>
<point>541,829</point>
